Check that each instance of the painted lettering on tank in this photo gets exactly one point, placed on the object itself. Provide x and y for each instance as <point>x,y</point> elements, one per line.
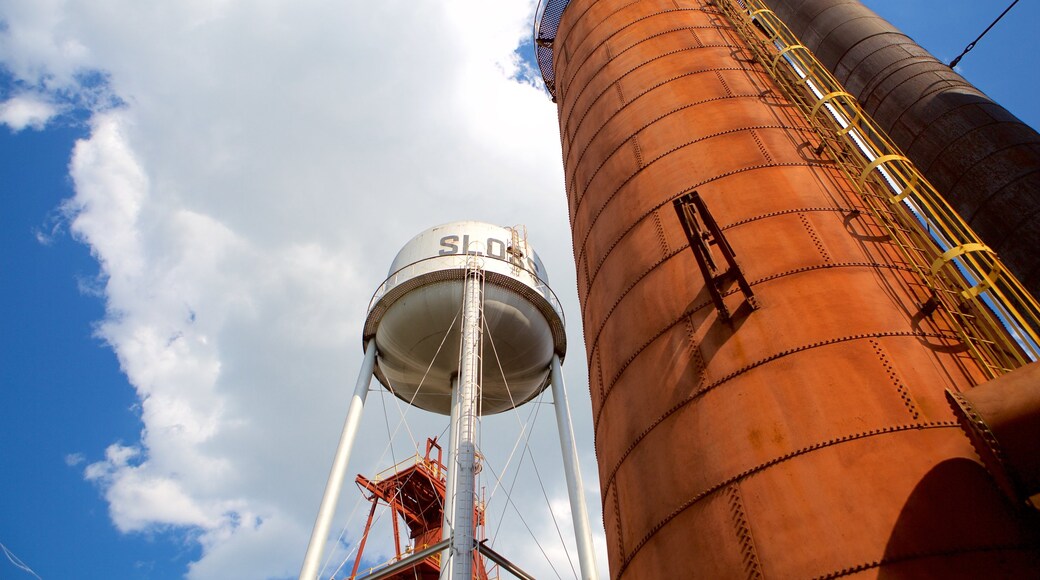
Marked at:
<point>451,245</point>
<point>494,247</point>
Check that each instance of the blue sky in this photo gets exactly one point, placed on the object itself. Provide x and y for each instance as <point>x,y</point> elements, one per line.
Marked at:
<point>75,306</point>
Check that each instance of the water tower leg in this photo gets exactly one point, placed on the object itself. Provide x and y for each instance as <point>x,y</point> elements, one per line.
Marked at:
<point>448,509</point>
<point>575,488</point>
<point>320,532</point>
<point>461,565</point>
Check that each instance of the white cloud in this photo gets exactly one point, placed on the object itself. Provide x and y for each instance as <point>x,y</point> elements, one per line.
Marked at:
<point>267,162</point>
<point>26,111</point>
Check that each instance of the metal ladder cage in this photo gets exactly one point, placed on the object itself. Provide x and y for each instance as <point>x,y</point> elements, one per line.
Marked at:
<point>985,303</point>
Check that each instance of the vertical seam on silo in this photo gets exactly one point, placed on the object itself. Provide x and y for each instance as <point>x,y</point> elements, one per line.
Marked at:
<point>772,462</point>
<point>613,194</point>
<point>599,375</point>
<point>705,388</point>
<point>627,26</point>
<point>659,228</point>
<point>593,102</point>
<point>725,85</point>
<point>824,39</point>
<point>748,552</point>
<point>580,43</point>
<point>761,145</point>
<point>815,237</point>
<point>608,388</point>
<point>670,253</point>
<point>588,142</point>
<point>938,156</point>
<point>897,381</point>
<point>617,517</point>
<point>670,199</point>
<point>889,94</point>
<point>695,351</point>
<point>696,38</point>
<point>650,123</point>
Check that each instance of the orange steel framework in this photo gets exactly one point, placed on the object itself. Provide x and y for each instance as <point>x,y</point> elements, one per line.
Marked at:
<point>415,494</point>
<point>807,437</point>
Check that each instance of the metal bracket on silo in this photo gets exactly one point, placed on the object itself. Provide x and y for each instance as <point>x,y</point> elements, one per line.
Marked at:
<point>703,232</point>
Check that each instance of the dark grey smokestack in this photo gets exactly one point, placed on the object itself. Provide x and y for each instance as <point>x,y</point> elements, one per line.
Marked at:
<point>976,153</point>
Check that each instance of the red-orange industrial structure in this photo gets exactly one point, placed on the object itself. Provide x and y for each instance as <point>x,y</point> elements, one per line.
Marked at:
<point>768,359</point>
<point>415,495</point>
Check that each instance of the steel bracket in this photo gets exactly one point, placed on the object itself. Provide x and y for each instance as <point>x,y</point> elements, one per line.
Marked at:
<point>703,232</point>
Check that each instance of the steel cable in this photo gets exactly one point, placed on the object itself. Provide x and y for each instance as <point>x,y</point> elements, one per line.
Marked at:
<point>972,44</point>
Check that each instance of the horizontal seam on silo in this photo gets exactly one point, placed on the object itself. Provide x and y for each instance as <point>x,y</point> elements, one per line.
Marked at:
<point>787,456</point>
<point>607,121</point>
<point>943,84</point>
<point>931,124</point>
<point>1025,219</point>
<point>865,57</point>
<point>852,69</point>
<point>704,389</point>
<point>606,159</point>
<point>593,50</point>
<point>894,89</point>
<point>606,89</point>
<point>970,169</point>
<point>642,40</point>
<point>580,43</point>
<point>811,23</point>
<point>592,29</point>
<point>577,20</point>
<point>921,556</point>
<point>880,76</point>
<point>608,389</point>
<point>830,32</point>
<point>690,188</point>
<point>684,247</point>
<point>953,142</point>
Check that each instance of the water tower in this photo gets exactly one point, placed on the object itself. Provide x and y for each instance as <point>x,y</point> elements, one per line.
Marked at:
<point>452,289</point>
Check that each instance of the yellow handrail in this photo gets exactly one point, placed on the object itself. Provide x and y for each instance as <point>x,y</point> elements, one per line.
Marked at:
<point>986,305</point>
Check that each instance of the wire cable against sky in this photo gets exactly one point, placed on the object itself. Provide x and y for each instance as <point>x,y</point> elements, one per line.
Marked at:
<point>18,562</point>
<point>970,46</point>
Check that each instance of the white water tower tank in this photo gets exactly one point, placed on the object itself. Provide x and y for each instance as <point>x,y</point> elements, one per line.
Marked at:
<point>415,318</point>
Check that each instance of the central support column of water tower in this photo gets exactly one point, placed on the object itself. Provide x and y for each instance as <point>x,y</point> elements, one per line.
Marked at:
<point>460,565</point>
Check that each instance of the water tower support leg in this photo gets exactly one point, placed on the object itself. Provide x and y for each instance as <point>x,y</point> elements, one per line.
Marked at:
<point>575,487</point>
<point>448,509</point>
<point>316,547</point>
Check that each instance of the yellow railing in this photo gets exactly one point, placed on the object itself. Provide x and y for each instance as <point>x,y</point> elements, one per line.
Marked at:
<point>988,307</point>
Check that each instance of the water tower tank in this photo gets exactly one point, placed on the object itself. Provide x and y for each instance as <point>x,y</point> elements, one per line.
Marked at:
<point>415,317</point>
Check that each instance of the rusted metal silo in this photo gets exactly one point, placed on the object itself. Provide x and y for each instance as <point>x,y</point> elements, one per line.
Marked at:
<point>775,410</point>
<point>980,156</point>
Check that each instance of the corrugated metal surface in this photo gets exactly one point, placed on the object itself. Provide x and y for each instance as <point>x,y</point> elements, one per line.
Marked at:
<point>808,438</point>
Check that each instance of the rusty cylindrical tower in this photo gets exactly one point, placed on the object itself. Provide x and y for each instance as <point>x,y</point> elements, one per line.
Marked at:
<point>981,157</point>
<point>766,368</point>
